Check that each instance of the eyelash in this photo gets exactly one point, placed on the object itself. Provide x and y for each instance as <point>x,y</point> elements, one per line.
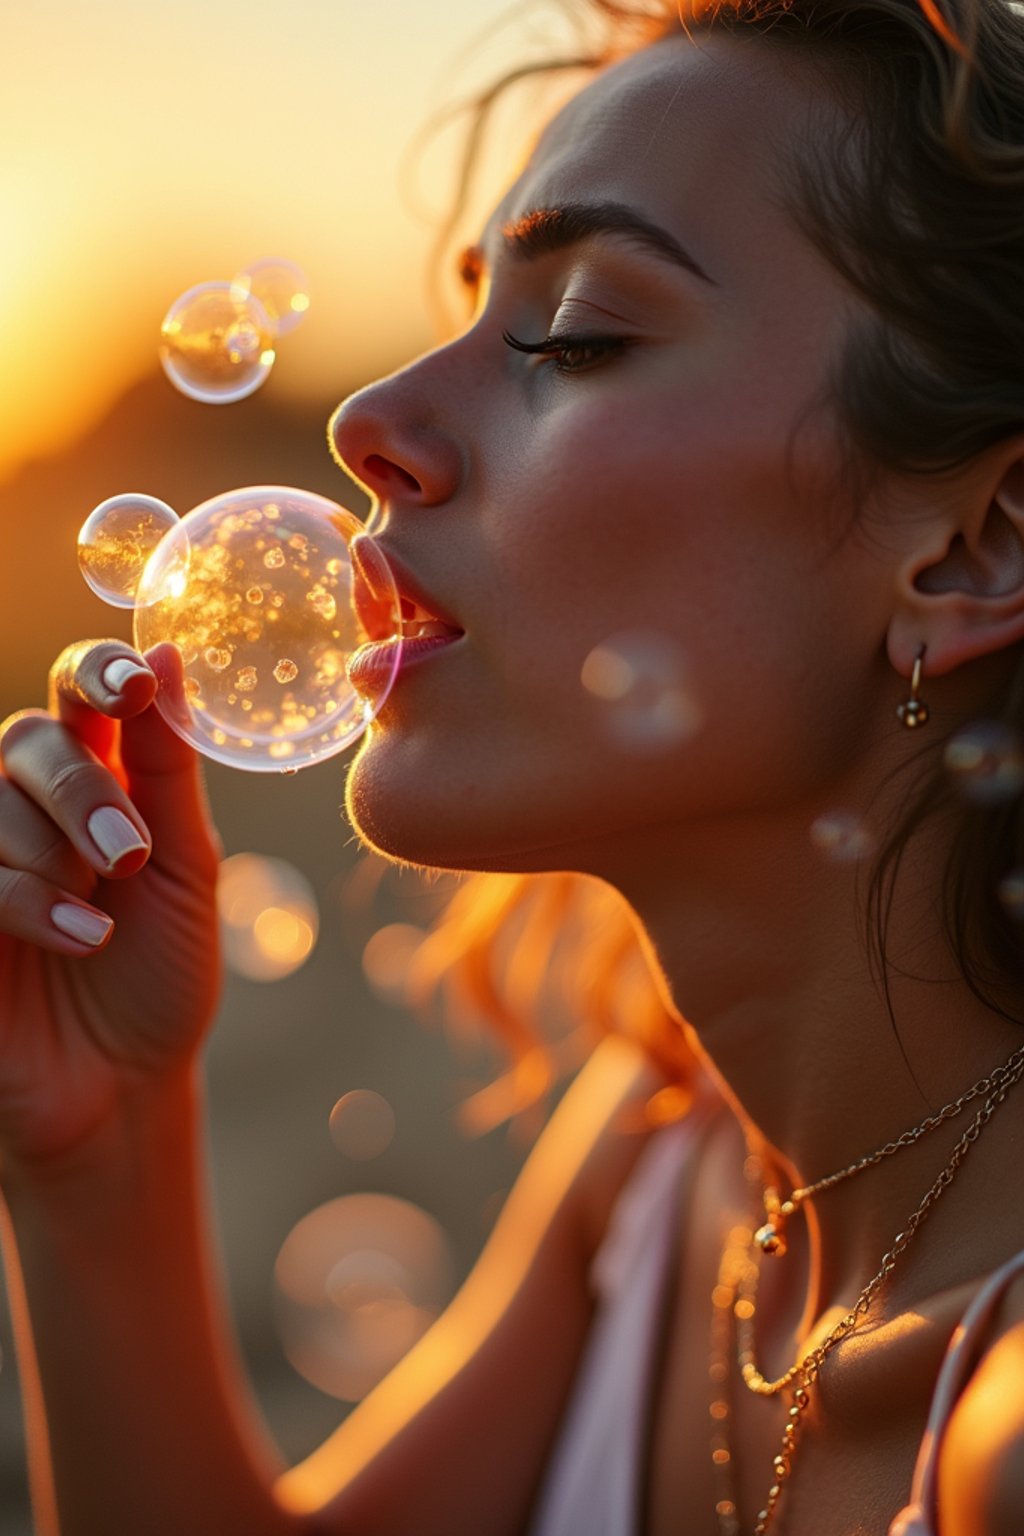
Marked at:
<point>558,347</point>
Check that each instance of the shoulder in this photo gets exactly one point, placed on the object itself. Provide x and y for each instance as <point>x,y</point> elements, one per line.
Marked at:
<point>981,1463</point>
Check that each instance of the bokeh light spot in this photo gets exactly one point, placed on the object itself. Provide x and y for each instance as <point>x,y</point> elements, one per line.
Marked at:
<point>357,1282</point>
<point>269,916</point>
<point>362,1124</point>
<point>640,679</point>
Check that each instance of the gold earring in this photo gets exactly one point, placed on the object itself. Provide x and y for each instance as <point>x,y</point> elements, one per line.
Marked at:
<point>914,711</point>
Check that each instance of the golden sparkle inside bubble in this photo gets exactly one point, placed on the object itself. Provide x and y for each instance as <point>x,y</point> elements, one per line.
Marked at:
<point>362,1124</point>
<point>357,1282</point>
<point>269,916</point>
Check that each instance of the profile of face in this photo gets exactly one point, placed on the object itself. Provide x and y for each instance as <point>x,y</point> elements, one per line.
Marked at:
<point>664,464</point>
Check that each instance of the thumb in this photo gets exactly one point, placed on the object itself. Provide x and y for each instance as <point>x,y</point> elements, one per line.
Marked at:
<point>163,772</point>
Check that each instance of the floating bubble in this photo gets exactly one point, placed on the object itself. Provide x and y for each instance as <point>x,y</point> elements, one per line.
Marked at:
<point>216,343</point>
<point>280,286</point>
<point>986,762</point>
<point>116,540</point>
<point>640,676</point>
<point>358,1281</point>
<point>386,958</point>
<point>844,836</point>
<point>265,673</point>
<point>1011,894</point>
<point>269,916</point>
<point>362,1124</point>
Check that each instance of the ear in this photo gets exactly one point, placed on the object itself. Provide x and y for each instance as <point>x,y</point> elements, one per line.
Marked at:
<point>960,591</point>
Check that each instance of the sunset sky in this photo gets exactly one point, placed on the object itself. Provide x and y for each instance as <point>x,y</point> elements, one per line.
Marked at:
<point>150,146</point>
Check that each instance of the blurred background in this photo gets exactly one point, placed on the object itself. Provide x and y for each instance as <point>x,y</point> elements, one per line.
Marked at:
<point>145,149</point>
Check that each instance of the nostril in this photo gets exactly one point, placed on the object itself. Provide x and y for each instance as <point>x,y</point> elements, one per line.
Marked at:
<point>382,472</point>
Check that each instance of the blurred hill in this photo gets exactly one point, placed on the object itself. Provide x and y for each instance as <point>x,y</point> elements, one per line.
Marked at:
<point>282,1053</point>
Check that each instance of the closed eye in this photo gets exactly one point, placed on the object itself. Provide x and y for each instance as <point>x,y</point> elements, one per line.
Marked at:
<point>570,354</point>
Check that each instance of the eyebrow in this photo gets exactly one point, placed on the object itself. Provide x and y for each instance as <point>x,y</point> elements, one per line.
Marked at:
<point>544,231</point>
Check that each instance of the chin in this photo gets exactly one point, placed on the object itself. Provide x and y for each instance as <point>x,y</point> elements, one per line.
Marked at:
<point>456,830</point>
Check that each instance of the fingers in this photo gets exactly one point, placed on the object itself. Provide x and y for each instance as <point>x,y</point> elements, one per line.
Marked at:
<point>73,790</point>
<point>33,909</point>
<point>30,841</point>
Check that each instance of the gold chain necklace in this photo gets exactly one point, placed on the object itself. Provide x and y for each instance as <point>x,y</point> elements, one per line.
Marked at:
<point>734,1305</point>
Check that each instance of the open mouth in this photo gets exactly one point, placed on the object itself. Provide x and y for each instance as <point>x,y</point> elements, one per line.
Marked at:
<point>372,599</point>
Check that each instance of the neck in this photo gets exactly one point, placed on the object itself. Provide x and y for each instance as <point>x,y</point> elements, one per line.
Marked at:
<point>764,955</point>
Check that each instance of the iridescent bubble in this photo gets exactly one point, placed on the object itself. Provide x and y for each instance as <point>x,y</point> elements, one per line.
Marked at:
<point>986,762</point>
<point>362,1124</point>
<point>280,286</point>
<point>640,677</point>
<point>358,1281</point>
<point>1011,894</point>
<point>315,673</point>
<point>844,836</point>
<point>116,540</point>
<point>216,344</point>
<point>269,916</point>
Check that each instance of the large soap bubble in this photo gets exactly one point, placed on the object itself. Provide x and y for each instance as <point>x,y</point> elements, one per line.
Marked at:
<point>283,623</point>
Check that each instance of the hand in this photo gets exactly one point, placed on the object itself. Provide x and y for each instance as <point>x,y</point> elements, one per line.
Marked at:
<point>109,959</point>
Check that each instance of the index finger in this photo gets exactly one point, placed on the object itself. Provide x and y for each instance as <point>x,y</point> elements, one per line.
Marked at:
<point>95,683</point>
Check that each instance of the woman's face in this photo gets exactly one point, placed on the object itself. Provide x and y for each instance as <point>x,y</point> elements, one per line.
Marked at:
<point>640,483</point>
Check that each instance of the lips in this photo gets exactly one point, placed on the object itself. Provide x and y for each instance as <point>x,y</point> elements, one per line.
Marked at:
<point>421,614</point>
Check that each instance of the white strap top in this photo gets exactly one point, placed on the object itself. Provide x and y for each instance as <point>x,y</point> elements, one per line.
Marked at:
<point>591,1485</point>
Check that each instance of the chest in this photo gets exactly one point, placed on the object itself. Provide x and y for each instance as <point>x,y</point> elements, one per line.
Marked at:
<point>854,1461</point>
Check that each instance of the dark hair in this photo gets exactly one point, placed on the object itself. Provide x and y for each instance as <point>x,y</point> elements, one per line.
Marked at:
<point>914,192</point>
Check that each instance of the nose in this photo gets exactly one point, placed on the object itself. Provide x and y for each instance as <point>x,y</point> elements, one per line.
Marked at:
<point>391,441</point>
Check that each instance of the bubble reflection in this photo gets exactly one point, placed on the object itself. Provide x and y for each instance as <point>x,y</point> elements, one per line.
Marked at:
<point>358,1281</point>
<point>843,836</point>
<point>986,762</point>
<point>640,676</point>
<point>269,916</point>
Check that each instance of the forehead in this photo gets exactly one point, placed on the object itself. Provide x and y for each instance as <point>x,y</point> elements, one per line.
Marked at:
<point>693,133</point>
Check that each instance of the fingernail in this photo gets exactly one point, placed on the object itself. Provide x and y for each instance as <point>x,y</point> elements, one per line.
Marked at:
<point>116,673</point>
<point>113,834</point>
<point>81,923</point>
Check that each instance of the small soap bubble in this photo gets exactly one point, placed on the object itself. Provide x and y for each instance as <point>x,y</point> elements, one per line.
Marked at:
<point>986,762</point>
<point>843,836</point>
<point>318,671</point>
<point>1011,894</point>
<point>280,286</point>
<point>269,916</point>
<point>116,540</point>
<point>358,1281</point>
<point>640,677</point>
<point>362,1124</point>
<point>216,344</point>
